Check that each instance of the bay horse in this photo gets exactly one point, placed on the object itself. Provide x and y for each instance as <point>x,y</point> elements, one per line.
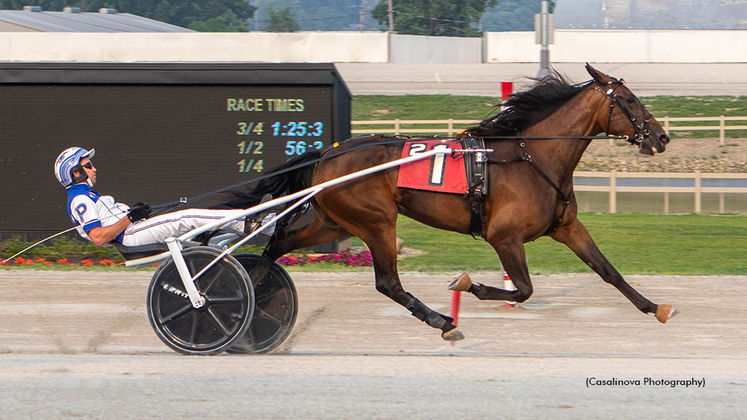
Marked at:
<point>531,195</point>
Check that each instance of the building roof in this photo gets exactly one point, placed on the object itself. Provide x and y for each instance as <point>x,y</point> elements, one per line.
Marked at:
<point>72,20</point>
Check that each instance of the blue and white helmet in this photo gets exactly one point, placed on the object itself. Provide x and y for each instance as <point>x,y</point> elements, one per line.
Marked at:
<point>69,160</point>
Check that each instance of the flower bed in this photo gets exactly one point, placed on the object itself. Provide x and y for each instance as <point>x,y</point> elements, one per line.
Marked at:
<point>344,257</point>
<point>64,262</point>
<point>74,253</point>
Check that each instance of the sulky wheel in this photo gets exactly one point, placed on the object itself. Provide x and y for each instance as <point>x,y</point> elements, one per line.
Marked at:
<point>228,309</point>
<point>275,309</point>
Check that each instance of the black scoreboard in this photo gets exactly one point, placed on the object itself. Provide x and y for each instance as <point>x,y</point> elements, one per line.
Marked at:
<point>161,131</point>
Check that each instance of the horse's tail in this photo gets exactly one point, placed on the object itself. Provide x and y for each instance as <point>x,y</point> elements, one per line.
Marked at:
<point>288,181</point>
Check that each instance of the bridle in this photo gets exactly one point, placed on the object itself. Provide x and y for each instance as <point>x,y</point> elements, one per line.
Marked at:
<point>641,130</point>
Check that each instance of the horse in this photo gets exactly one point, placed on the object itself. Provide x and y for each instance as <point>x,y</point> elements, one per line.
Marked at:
<point>535,144</point>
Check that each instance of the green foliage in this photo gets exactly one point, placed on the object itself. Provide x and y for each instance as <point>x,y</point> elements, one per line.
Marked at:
<point>283,20</point>
<point>216,24</point>
<point>321,15</point>
<point>433,17</point>
<point>223,15</point>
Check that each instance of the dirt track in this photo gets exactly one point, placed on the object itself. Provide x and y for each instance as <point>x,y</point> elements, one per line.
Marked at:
<point>78,344</point>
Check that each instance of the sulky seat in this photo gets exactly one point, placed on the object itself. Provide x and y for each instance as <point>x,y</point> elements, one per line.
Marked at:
<point>139,251</point>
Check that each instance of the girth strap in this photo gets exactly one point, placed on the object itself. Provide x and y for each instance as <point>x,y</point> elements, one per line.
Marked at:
<point>476,167</point>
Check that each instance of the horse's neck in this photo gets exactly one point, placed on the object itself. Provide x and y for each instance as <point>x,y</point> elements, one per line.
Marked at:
<point>581,117</point>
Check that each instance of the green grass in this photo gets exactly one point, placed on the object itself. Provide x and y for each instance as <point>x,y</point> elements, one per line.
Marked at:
<point>634,244</point>
<point>422,107</point>
<point>441,107</point>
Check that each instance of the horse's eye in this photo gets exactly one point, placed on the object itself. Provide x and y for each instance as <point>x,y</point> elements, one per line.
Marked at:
<point>630,100</point>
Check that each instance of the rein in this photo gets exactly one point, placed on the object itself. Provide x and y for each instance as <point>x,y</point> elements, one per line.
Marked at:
<point>184,200</point>
<point>161,208</point>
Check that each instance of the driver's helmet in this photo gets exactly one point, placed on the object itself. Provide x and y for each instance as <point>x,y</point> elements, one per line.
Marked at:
<point>69,160</point>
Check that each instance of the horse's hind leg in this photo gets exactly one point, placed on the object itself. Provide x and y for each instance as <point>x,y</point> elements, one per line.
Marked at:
<point>384,254</point>
<point>379,233</point>
<point>577,238</point>
<point>315,233</point>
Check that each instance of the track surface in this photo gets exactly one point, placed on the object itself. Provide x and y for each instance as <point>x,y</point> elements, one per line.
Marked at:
<point>645,79</point>
<point>78,345</point>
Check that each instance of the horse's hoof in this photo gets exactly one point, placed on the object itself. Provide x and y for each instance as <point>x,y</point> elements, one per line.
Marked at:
<point>461,283</point>
<point>665,312</point>
<point>452,335</point>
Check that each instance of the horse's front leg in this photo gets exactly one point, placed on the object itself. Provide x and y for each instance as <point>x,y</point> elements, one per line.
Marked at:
<point>384,255</point>
<point>577,238</point>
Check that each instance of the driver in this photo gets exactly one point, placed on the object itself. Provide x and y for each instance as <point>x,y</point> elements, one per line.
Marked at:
<point>101,220</point>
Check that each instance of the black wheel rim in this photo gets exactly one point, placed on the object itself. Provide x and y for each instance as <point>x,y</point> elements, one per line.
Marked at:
<point>275,309</point>
<point>228,303</point>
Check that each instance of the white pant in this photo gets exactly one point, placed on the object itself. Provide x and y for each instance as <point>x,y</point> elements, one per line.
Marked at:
<point>157,229</point>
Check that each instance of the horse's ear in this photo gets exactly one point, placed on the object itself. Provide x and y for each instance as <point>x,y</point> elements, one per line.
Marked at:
<point>598,75</point>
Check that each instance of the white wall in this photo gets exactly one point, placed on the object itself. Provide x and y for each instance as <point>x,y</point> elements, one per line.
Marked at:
<point>435,49</point>
<point>369,47</point>
<point>570,46</point>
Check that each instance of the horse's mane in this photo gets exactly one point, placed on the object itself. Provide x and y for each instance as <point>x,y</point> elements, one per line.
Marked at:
<point>529,107</point>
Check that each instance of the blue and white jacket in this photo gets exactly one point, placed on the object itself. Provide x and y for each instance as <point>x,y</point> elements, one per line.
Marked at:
<point>88,209</point>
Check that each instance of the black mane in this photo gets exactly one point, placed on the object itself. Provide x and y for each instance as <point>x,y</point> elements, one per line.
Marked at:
<point>530,107</point>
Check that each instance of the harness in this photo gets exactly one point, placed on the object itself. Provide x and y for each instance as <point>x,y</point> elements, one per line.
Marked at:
<point>528,158</point>
<point>641,130</point>
<point>476,166</point>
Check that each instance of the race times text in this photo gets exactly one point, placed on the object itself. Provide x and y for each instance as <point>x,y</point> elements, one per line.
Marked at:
<point>259,137</point>
<point>253,162</point>
<point>279,129</point>
<point>251,165</point>
<point>294,148</point>
<point>265,105</point>
<point>265,136</point>
<point>256,130</point>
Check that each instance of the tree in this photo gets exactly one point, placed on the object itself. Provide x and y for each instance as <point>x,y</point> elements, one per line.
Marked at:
<point>217,24</point>
<point>320,15</point>
<point>283,20</point>
<point>214,14</point>
<point>433,17</point>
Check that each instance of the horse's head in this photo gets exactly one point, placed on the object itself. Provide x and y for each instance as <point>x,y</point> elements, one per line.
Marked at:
<point>628,116</point>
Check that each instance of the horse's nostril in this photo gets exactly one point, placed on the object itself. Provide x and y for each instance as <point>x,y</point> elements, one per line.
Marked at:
<point>664,139</point>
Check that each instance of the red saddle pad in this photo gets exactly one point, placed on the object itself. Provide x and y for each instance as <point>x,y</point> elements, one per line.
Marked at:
<point>440,173</point>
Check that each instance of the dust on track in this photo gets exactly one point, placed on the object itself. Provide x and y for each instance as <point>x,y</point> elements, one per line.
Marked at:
<point>78,344</point>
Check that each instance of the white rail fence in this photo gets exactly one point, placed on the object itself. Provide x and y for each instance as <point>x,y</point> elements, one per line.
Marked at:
<point>452,126</point>
<point>697,189</point>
